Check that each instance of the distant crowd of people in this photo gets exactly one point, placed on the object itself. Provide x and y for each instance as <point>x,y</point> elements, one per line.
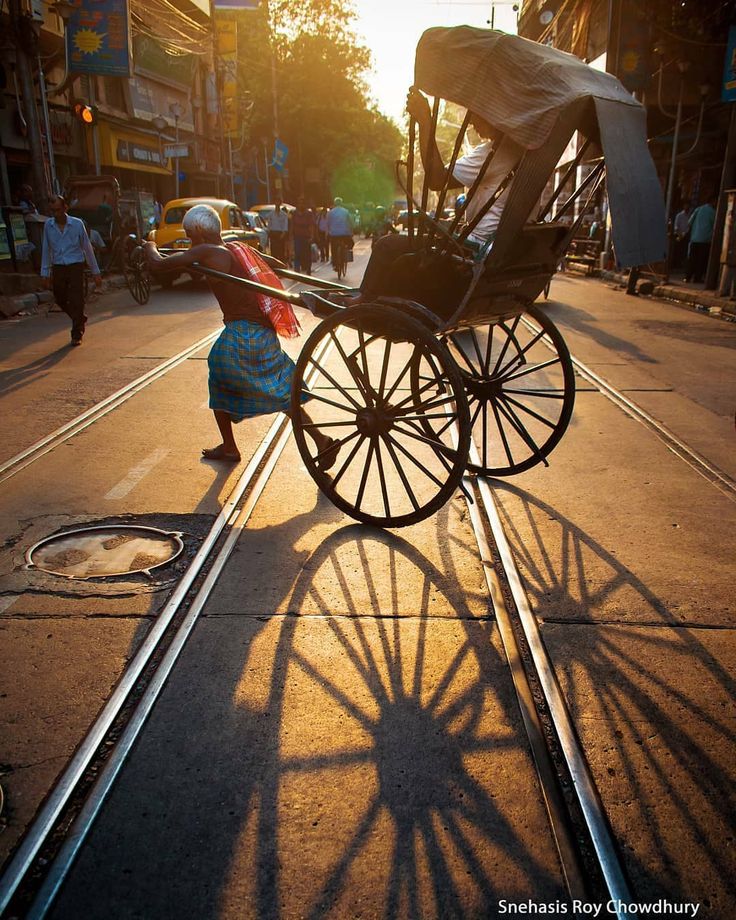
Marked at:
<point>304,236</point>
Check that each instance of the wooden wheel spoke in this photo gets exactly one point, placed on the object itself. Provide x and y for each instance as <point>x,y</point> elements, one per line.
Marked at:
<point>536,415</point>
<point>510,337</point>
<point>489,349</point>
<point>519,428</point>
<point>462,354</point>
<point>398,380</point>
<point>409,456</point>
<point>437,446</point>
<point>415,427</point>
<point>341,472</point>
<point>352,365</point>
<point>366,471</point>
<point>388,441</point>
<point>531,369</point>
<point>504,439</point>
<point>382,478</point>
<point>422,408</point>
<point>520,354</point>
<point>340,389</point>
<point>542,394</point>
<point>384,368</point>
<point>315,394</point>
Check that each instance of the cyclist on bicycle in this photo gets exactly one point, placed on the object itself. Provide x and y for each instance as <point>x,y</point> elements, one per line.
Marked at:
<point>340,231</point>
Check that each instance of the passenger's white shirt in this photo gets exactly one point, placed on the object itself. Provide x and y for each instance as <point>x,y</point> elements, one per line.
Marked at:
<point>466,171</point>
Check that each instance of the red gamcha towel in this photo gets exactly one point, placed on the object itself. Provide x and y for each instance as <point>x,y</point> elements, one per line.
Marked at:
<point>278,312</point>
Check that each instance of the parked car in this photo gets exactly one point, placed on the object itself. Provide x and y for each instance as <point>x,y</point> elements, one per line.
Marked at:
<point>170,234</point>
<point>264,211</point>
<point>256,224</point>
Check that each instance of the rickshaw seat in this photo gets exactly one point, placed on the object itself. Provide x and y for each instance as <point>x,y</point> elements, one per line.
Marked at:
<point>537,245</point>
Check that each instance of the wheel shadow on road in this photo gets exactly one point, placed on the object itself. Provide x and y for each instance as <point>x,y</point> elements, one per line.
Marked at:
<point>651,698</point>
<point>316,764</point>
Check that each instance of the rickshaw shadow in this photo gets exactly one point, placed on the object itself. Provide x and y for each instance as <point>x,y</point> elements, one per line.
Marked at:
<point>380,754</point>
<point>586,324</point>
<point>648,691</point>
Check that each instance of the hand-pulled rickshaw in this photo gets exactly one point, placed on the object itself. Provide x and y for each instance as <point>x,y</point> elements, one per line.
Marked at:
<point>121,219</point>
<point>421,388</point>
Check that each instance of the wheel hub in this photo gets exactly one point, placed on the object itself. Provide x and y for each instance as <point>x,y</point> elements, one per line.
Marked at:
<point>372,422</point>
<point>483,388</point>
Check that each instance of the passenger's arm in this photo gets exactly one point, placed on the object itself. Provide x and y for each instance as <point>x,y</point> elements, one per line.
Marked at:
<point>434,168</point>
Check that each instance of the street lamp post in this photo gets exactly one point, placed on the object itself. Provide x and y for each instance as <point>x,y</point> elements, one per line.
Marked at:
<point>177,111</point>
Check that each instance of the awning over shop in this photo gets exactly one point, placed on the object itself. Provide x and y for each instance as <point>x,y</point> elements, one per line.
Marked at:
<point>123,148</point>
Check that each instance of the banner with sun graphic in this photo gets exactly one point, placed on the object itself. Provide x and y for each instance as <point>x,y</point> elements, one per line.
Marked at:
<point>98,38</point>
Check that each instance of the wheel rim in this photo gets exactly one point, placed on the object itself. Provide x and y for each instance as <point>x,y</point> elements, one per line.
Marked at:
<point>520,387</point>
<point>402,452</point>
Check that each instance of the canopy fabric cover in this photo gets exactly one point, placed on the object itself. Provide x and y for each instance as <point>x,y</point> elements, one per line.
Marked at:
<point>523,89</point>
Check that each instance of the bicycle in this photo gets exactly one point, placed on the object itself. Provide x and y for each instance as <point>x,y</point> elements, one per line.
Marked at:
<point>339,256</point>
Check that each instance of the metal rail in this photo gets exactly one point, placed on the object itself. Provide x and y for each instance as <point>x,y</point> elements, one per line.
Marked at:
<point>45,445</point>
<point>585,789</point>
<point>696,461</point>
<point>253,478</point>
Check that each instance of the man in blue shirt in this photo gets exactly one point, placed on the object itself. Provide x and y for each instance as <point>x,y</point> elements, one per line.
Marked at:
<point>339,227</point>
<point>702,222</point>
<point>66,248</point>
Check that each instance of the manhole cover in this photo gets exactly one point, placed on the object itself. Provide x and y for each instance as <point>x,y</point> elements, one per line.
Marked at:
<point>102,552</point>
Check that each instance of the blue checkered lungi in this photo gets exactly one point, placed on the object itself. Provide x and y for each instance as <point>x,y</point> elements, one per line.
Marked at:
<point>249,373</point>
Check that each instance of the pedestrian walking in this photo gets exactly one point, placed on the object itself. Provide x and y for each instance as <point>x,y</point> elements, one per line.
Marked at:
<point>323,240</point>
<point>339,228</point>
<point>249,373</point>
<point>303,231</point>
<point>702,221</point>
<point>278,231</point>
<point>66,248</point>
<point>681,231</point>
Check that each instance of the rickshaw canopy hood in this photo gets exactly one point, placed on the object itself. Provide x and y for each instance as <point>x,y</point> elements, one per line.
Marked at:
<point>525,90</point>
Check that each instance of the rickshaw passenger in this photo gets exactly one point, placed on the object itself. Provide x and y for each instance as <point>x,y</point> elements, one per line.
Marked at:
<point>379,277</point>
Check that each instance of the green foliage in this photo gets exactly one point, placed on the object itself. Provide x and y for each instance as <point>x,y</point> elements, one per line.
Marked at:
<point>323,112</point>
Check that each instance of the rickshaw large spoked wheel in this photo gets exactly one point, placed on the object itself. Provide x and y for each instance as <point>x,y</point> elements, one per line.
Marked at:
<point>402,452</point>
<point>137,276</point>
<point>520,384</point>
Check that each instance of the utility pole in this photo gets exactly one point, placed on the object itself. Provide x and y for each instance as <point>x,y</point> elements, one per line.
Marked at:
<point>27,50</point>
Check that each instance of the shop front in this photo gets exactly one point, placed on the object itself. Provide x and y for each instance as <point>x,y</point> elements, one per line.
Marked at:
<point>135,158</point>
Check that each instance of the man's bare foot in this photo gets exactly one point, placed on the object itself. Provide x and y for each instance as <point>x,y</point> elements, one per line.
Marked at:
<point>219,453</point>
<point>327,457</point>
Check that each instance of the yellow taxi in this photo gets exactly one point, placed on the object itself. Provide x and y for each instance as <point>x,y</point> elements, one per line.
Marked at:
<point>171,235</point>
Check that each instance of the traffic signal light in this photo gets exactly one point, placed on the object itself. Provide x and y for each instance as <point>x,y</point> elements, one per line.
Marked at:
<point>87,114</point>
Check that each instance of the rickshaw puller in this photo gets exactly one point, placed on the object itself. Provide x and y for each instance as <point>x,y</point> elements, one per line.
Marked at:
<point>249,373</point>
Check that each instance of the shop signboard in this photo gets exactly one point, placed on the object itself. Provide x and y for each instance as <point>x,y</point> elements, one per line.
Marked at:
<point>134,152</point>
<point>729,69</point>
<point>98,38</point>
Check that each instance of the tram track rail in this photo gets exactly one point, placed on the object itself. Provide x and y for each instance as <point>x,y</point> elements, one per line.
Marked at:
<point>225,531</point>
<point>717,477</point>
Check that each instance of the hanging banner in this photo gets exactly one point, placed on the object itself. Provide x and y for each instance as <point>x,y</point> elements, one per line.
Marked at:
<point>98,38</point>
<point>729,68</point>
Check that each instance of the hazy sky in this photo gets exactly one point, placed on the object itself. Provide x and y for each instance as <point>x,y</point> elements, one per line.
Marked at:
<point>391,29</point>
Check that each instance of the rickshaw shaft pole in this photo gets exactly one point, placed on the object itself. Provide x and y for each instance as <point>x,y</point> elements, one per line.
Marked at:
<point>278,293</point>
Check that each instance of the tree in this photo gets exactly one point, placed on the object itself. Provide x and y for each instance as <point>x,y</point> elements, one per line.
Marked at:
<point>322,108</point>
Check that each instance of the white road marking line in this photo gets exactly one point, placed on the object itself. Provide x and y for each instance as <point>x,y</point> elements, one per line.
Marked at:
<point>136,474</point>
<point>6,602</point>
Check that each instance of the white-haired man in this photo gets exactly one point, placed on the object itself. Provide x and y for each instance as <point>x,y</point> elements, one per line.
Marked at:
<point>249,373</point>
